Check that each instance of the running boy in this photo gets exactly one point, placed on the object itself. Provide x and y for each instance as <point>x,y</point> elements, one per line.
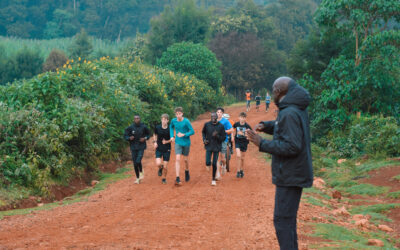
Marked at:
<point>162,145</point>
<point>267,101</point>
<point>248,99</point>
<point>222,155</point>
<point>258,101</point>
<point>137,134</point>
<point>183,130</point>
<point>213,135</point>
<point>241,142</point>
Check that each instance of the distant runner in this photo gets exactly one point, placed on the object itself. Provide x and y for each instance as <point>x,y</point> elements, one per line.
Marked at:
<point>162,145</point>
<point>137,134</point>
<point>184,130</point>
<point>241,142</point>
<point>258,101</point>
<point>248,99</point>
<point>267,101</point>
<point>213,135</point>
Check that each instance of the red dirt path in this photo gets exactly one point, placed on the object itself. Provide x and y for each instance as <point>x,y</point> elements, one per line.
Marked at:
<point>236,214</point>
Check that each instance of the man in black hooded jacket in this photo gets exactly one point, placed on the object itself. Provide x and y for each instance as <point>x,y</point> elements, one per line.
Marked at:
<point>291,155</point>
<point>137,134</point>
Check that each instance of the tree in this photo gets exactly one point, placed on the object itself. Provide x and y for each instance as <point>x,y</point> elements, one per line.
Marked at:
<point>184,22</point>
<point>195,59</point>
<point>81,47</point>
<point>56,59</point>
<point>361,19</point>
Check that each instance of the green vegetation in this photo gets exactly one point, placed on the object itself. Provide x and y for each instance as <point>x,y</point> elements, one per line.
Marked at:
<point>343,238</point>
<point>365,189</point>
<point>396,178</point>
<point>195,59</point>
<point>62,124</point>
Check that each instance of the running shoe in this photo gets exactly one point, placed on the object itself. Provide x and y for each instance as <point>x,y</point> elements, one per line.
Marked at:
<point>141,176</point>
<point>213,183</point>
<point>137,181</point>
<point>218,176</point>
<point>164,181</point>
<point>187,175</point>
<point>160,171</point>
<point>238,174</point>
<point>241,173</point>
<point>178,181</point>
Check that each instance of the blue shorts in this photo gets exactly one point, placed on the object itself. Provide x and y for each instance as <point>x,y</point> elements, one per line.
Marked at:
<point>163,154</point>
<point>182,150</point>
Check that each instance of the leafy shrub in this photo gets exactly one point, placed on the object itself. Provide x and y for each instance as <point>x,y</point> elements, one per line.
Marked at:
<point>61,124</point>
<point>372,135</point>
<point>55,60</point>
<point>195,59</point>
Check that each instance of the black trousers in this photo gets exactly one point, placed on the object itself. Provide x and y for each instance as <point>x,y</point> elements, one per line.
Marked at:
<point>287,200</point>
<point>214,161</point>
<point>137,156</point>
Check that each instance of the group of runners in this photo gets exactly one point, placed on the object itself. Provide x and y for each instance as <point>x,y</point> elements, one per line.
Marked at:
<point>217,134</point>
<point>257,98</point>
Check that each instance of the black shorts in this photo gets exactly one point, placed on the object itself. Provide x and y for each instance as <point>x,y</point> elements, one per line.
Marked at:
<point>241,145</point>
<point>163,154</point>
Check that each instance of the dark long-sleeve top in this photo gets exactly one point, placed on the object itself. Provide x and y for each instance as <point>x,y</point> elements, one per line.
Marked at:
<point>214,142</point>
<point>137,131</point>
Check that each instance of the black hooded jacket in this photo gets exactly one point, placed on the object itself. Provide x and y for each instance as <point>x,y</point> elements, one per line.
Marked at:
<point>138,131</point>
<point>214,142</point>
<point>290,146</point>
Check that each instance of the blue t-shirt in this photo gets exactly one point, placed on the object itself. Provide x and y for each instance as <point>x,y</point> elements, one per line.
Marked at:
<point>227,125</point>
<point>268,98</point>
<point>184,127</point>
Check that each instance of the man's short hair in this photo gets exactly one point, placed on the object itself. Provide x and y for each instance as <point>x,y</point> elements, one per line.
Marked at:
<point>220,108</point>
<point>166,116</point>
<point>243,114</point>
<point>136,115</point>
<point>179,109</point>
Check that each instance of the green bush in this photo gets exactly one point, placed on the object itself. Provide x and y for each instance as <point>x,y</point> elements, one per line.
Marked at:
<point>62,124</point>
<point>55,60</point>
<point>372,135</point>
<point>195,59</point>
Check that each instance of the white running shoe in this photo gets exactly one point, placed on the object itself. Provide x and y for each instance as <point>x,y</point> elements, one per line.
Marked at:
<point>213,183</point>
<point>137,181</point>
<point>218,176</point>
<point>141,175</point>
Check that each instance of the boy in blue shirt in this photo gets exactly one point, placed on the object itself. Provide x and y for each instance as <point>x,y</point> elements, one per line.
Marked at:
<point>184,130</point>
<point>228,130</point>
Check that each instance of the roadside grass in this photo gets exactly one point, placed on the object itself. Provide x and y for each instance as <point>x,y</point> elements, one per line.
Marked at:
<point>12,193</point>
<point>394,195</point>
<point>344,178</point>
<point>104,180</point>
<point>397,178</point>
<point>344,238</point>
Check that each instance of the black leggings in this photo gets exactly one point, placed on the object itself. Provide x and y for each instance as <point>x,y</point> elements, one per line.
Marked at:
<point>214,161</point>
<point>137,156</point>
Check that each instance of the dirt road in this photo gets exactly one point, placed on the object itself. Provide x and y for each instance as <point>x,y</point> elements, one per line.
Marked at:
<point>236,214</point>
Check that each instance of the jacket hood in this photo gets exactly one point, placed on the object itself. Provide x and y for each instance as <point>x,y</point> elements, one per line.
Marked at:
<point>296,96</point>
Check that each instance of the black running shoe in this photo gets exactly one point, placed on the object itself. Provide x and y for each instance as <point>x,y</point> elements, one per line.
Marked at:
<point>164,181</point>
<point>241,173</point>
<point>187,175</point>
<point>160,171</point>
<point>178,181</point>
<point>238,175</point>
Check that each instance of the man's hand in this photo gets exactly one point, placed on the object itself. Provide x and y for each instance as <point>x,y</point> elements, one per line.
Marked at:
<point>215,133</point>
<point>180,134</point>
<point>142,139</point>
<point>164,141</point>
<point>155,145</point>
<point>206,142</point>
<point>131,138</point>
<point>253,137</point>
<point>260,127</point>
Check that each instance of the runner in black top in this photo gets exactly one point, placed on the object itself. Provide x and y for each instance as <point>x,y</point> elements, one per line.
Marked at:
<point>162,145</point>
<point>241,142</point>
<point>213,135</point>
<point>258,101</point>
